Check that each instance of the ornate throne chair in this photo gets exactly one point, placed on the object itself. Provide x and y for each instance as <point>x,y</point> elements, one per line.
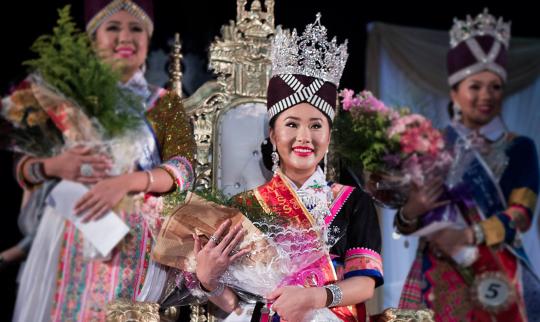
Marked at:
<point>229,114</point>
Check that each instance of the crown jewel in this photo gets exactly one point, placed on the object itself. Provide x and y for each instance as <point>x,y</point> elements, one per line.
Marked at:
<point>483,24</point>
<point>310,54</point>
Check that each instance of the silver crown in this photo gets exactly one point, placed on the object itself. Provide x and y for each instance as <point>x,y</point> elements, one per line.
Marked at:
<point>483,24</point>
<point>310,54</point>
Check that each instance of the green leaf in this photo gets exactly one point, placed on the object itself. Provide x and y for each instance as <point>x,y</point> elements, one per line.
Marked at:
<point>67,61</point>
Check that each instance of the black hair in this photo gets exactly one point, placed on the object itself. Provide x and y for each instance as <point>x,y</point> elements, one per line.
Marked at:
<point>266,152</point>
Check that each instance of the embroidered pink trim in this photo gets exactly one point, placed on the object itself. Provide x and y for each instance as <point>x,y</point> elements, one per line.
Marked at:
<point>362,251</point>
<point>342,196</point>
<point>362,258</point>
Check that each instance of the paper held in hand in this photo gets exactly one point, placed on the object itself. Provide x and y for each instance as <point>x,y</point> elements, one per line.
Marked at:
<point>104,233</point>
<point>449,216</point>
<point>433,227</point>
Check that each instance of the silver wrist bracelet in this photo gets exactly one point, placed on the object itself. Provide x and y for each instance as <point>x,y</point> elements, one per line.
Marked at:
<point>479,235</point>
<point>337,295</point>
<point>216,292</point>
<point>405,221</point>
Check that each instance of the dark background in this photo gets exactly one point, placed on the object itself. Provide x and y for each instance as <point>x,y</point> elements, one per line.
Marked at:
<point>198,23</point>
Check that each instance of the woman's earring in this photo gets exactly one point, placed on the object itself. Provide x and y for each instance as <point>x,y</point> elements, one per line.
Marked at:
<point>275,159</point>
<point>325,169</point>
<point>457,112</point>
<point>143,67</point>
<point>325,164</point>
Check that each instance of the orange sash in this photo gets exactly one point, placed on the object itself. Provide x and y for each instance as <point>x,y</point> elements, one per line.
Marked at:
<point>277,196</point>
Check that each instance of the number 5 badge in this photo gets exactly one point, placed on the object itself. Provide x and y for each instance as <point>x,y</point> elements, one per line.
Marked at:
<point>493,291</point>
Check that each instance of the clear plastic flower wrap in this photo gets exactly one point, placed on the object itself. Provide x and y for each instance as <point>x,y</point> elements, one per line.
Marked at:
<point>281,252</point>
<point>279,257</point>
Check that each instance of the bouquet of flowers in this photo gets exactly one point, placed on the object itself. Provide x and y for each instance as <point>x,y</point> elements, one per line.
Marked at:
<point>395,148</point>
<point>27,127</point>
<point>280,250</point>
<point>70,98</point>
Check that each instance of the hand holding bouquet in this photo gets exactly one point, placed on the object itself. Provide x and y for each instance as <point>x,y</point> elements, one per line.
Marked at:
<point>72,98</point>
<point>395,149</point>
<point>278,251</point>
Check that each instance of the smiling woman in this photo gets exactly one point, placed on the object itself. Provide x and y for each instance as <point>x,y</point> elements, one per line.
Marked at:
<point>301,135</point>
<point>301,106</point>
<point>65,279</point>
<point>123,42</point>
<point>495,182</point>
<point>479,97</point>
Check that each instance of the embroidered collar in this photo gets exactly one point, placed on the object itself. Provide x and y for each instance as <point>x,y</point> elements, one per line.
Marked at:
<point>493,131</point>
<point>317,179</point>
<point>315,194</point>
<point>139,86</point>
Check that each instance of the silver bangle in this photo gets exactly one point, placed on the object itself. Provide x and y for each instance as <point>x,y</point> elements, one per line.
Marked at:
<point>216,292</point>
<point>150,180</point>
<point>337,295</point>
<point>479,236</point>
<point>407,222</point>
<point>37,172</point>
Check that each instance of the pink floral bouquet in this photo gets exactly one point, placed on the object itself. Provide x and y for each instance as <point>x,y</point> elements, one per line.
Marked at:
<point>395,148</point>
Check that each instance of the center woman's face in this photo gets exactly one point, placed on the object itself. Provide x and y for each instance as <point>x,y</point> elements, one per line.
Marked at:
<point>301,135</point>
<point>122,41</point>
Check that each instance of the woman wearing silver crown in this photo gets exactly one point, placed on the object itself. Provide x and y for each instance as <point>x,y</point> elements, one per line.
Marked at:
<point>480,272</point>
<point>301,106</point>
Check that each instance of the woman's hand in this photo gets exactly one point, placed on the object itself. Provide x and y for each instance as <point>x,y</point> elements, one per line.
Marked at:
<point>13,254</point>
<point>102,197</point>
<point>424,198</point>
<point>450,240</point>
<point>294,303</point>
<point>214,258</point>
<point>67,165</point>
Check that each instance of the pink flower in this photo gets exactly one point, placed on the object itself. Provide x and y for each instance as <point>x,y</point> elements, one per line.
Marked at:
<point>356,102</point>
<point>398,127</point>
<point>363,101</point>
<point>410,142</point>
<point>416,135</point>
<point>375,105</point>
<point>347,101</point>
<point>393,115</point>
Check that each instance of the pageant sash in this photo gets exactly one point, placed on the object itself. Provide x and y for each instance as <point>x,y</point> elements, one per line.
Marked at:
<point>485,189</point>
<point>495,272</point>
<point>479,183</point>
<point>277,196</point>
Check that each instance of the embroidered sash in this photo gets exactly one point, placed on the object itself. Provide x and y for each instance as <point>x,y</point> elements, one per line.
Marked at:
<point>277,196</point>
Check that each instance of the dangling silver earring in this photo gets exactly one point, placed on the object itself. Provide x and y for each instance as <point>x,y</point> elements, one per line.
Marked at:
<point>457,112</point>
<point>275,159</point>
<point>143,67</point>
<point>325,164</point>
